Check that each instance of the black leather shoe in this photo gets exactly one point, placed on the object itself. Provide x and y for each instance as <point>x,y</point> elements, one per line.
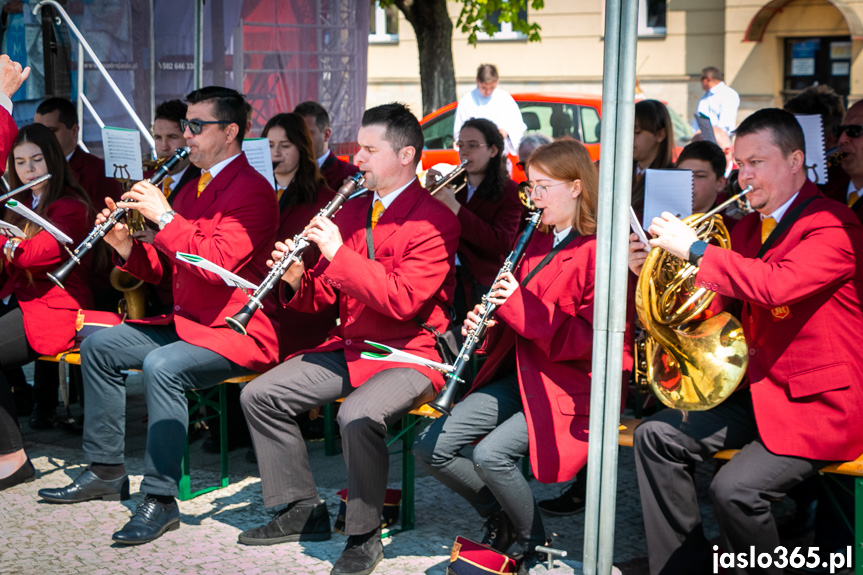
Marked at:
<point>499,532</point>
<point>88,486</point>
<point>307,523</point>
<point>361,555</point>
<point>150,521</point>
<point>23,474</point>
<point>570,502</point>
<point>43,418</point>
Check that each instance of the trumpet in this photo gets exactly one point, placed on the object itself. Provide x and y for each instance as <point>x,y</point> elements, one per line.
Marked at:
<point>440,181</point>
<point>445,399</point>
<point>239,321</point>
<point>59,275</point>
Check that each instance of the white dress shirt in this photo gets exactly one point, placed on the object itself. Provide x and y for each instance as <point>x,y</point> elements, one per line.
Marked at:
<point>720,104</point>
<point>499,108</point>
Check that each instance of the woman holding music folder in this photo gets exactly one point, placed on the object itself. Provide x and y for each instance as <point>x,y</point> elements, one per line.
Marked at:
<point>38,318</point>
<point>301,192</point>
<point>487,207</point>
<point>532,394</point>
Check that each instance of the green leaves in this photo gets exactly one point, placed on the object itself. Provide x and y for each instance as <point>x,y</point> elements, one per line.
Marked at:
<point>484,16</point>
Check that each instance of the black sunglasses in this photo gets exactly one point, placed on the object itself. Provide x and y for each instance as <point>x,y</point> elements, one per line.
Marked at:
<point>853,130</point>
<point>195,126</point>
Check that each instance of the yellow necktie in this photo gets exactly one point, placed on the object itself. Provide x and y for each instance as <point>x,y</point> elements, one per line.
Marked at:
<point>166,185</point>
<point>852,199</point>
<point>279,192</point>
<point>377,210</point>
<point>203,181</point>
<point>767,225</point>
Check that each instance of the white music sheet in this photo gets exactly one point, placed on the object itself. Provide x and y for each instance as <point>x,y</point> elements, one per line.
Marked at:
<point>667,191</point>
<point>258,154</point>
<point>813,133</point>
<point>122,149</point>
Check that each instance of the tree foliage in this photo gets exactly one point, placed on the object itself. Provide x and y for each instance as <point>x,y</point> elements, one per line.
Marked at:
<point>479,16</point>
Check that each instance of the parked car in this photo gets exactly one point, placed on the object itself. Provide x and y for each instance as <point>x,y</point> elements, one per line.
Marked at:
<point>555,115</point>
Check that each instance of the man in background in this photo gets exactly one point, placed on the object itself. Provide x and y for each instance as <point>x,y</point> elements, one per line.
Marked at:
<point>334,170</point>
<point>719,103</point>
<point>490,102</point>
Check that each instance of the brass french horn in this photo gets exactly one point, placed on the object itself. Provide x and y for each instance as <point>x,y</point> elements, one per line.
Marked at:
<point>690,363</point>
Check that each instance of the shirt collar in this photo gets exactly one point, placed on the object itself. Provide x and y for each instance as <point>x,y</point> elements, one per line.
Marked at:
<point>559,236</point>
<point>214,170</point>
<point>175,178</point>
<point>780,211</point>
<point>390,198</point>
<point>323,158</point>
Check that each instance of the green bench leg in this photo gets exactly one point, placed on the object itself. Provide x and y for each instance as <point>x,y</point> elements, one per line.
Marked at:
<point>217,399</point>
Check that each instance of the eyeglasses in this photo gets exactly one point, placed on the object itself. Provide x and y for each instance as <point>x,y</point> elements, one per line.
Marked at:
<point>541,191</point>
<point>195,126</point>
<point>853,130</point>
<point>469,146</point>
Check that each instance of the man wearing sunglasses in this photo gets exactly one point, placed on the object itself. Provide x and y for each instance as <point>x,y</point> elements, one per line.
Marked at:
<point>849,189</point>
<point>228,216</point>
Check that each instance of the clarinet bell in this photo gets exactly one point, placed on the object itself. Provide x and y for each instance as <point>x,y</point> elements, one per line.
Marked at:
<point>446,398</point>
<point>240,320</point>
<point>61,274</point>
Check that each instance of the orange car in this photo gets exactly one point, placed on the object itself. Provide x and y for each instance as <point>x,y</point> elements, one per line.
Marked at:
<point>555,115</point>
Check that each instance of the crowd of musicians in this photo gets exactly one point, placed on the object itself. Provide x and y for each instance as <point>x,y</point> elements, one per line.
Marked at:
<point>400,266</point>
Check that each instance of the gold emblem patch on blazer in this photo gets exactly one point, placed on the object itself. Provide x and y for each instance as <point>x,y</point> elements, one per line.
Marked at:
<point>781,312</point>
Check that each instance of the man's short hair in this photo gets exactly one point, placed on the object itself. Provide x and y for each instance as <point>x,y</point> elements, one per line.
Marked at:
<point>316,111</point>
<point>707,151</point>
<point>822,100</point>
<point>230,106</point>
<point>171,110</point>
<point>401,127</point>
<point>712,72</point>
<point>783,126</point>
<point>487,73</point>
<point>68,114</point>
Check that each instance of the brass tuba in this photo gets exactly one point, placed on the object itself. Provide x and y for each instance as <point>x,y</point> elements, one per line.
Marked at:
<point>689,364</point>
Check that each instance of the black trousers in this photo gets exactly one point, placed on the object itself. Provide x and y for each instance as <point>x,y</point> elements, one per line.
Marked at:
<point>667,447</point>
<point>15,351</point>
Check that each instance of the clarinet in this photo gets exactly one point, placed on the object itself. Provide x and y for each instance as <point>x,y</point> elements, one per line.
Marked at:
<point>240,320</point>
<point>445,399</point>
<point>60,275</point>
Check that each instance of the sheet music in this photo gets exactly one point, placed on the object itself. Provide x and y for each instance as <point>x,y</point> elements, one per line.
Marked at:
<point>705,127</point>
<point>122,147</point>
<point>39,220</point>
<point>637,229</point>
<point>813,133</point>
<point>229,278</point>
<point>667,191</point>
<point>258,154</point>
<point>8,230</point>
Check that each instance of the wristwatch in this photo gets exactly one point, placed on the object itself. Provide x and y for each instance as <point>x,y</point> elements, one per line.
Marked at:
<point>9,247</point>
<point>696,251</point>
<point>166,218</point>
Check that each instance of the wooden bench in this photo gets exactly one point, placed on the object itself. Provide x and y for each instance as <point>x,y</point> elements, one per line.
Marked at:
<point>214,398</point>
<point>852,468</point>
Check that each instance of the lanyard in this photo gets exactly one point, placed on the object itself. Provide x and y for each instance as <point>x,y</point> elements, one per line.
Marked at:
<point>548,257</point>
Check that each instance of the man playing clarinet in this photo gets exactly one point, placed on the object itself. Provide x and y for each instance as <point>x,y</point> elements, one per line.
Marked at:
<point>387,263</point>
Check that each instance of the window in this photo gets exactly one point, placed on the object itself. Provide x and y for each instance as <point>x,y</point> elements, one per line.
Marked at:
<point>438,131</point>
<point>505,31</point>
<point>651,17</point>
<point>383,24</point>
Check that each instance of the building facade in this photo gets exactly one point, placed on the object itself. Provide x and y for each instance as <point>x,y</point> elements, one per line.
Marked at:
<point>768,51</point>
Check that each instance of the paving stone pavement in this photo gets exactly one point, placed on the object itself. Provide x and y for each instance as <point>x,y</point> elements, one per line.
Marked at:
<point>39,538</point>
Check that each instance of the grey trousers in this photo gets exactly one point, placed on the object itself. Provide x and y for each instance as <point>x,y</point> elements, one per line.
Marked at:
<point>170,366</point>
<point>272,401</point>
<point>491,480</point>
<point>667,446</point>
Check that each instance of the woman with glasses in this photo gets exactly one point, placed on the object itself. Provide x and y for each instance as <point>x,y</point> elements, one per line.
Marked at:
<point>652,146</point>
<point>532,394</point>
<point>487,207</point>
<point>39,318</point>
<point>301,192</point>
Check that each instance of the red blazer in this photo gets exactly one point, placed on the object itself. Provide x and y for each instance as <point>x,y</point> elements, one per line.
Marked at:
<point>49,311</point>
<point>550,323</point>
<point>412,277</point>
<point>8,133</point>
<point>801,315</point>
<point>233,224</point>
<point>488,230</point>
<point>335,171</point>
<point>89,170</point>
<point>299,330</point>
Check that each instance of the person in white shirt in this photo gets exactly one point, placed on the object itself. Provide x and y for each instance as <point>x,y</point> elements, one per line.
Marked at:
<point>489,102</point>
<point>719,103</point>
